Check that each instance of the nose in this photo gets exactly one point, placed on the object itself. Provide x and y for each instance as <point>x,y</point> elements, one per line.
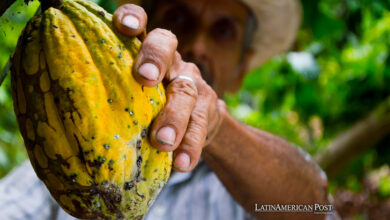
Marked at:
<point>196,50</point>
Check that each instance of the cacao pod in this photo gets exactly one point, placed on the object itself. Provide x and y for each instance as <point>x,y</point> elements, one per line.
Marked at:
<point>83,117</point>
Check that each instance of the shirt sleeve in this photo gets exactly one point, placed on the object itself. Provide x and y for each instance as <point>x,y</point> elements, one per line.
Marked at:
<point>24,197</point>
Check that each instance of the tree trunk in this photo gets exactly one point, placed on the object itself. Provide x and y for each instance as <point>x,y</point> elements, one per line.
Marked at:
<point>363,135</point>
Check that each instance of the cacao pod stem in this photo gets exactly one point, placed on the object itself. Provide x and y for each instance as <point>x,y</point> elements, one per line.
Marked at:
<point>45,4</point>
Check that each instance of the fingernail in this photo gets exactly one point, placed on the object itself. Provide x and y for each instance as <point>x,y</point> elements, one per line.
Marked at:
<point>182,162</point>
<point>130,22</point>
<point>148,71</point>
<point>166,135</point>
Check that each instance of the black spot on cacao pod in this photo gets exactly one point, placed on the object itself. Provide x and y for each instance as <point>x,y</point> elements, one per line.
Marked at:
<point>111,162</point>
<point>141,195</point>
<point>139,161</point>
<point>137,175</point>
<point>126,109</point>
<point>109,100</point>
<point>73,177</point>
<point>135,122</point>
<point>101,13</point>
<point>97,162</point>
<point>93,137</point>
<point>151,101</point>
<point>54,26</point>
<point>138,144</point>
<point>93,174</point>
<point>111,194</point>
<point>128,185</point>
<point>144,133</point>
<point>106,146</point>
<point>97,205</point>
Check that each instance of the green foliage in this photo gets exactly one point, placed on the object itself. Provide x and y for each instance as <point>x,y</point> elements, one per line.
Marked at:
<point>341,74</point>
<point>11,25</point>
<point>12,151</point>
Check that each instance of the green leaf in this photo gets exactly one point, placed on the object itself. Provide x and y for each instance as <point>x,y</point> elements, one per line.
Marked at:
<point>12,23</point>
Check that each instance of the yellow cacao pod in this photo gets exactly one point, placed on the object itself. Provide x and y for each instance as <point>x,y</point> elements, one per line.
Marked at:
<point>83,117</point>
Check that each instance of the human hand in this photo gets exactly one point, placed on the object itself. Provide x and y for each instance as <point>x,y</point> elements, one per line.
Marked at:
<point>192,113</point>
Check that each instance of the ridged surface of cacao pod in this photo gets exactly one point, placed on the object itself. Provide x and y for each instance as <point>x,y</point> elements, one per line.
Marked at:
<point>83,117</point>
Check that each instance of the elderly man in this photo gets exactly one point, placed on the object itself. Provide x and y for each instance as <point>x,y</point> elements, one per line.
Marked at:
<point>223,169</point>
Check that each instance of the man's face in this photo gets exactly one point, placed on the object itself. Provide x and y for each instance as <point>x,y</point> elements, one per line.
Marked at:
<point>210,34</point>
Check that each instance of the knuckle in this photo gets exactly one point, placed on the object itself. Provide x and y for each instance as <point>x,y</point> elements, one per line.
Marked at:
<point>193,69</point>
<point>199,119</point>
<point>159,46</point>
<point>169,109</point>
<point>149,51</point>
<point>210,91</point>
<point>131,7</point>
<point>194,143</point>
<point>165,33</point>
<point>213,96</point>
<point>206,90</point>
<point>178,57</point>
<point>183,87</point>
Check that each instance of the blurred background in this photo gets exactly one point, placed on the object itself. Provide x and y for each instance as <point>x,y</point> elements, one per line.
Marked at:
<point>330,95</point>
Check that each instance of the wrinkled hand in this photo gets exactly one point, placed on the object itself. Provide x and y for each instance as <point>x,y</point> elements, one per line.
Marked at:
<point>192,110</point>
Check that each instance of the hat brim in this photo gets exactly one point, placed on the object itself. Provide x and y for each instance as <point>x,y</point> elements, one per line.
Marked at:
<point>278,22</point>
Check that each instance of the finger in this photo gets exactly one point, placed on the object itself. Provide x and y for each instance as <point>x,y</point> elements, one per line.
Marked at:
<point>187,155</point>
<point>130,19</point>
<point>170,125</point>
<point>155,57</point>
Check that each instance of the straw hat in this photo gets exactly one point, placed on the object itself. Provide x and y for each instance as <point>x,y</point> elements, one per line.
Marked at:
<point>278,22</point>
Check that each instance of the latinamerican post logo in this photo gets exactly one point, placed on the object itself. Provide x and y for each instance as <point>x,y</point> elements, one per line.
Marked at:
<point>311,208</point>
